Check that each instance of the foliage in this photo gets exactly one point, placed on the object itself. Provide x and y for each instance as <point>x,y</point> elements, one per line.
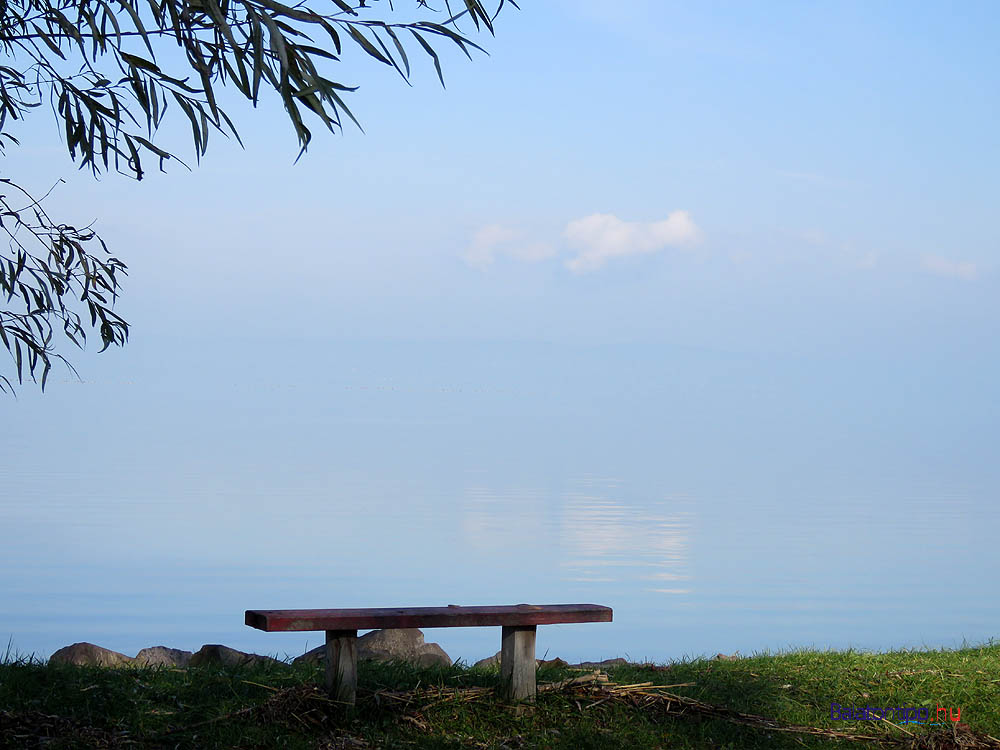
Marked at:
<point>48,268</point>
<point>111,70</point>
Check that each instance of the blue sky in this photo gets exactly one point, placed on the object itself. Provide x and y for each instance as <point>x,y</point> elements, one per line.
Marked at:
<point>828,169</point>
<point>708,250</point>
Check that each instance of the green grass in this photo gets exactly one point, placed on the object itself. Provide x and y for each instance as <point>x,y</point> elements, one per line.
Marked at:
<point>199,708</point>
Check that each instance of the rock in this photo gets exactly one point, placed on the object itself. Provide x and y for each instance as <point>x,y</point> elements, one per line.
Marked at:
<point>600,664</point>
<point>433,656</point>
<point>401,644</point>
<point>317,654</point>
<point>557,662</point>
<point>489,662</point>
<point>87,654</point>
<point>161,656</point>
<point>494,661</point>
<point>398,644</point>
<point>227,657</point>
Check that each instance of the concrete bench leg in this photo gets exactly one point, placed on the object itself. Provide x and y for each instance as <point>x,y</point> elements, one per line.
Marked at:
<point>342,665</point>
<point>517,663</point>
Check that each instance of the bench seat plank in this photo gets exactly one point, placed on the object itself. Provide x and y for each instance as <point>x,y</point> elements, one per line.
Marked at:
<point>518,615</point>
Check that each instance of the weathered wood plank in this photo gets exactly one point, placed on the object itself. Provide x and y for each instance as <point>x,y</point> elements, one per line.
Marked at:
<point>518,615</point>
<point>342,665</point>
<point>517,663</point>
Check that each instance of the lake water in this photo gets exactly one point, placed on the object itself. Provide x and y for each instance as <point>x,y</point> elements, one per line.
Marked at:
<point>718,501</point>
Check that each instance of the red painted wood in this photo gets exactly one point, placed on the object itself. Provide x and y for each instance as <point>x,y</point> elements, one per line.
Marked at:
<point>423,617</point>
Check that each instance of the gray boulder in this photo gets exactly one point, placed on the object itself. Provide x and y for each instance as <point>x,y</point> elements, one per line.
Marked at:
<point>401,644</point>
<point>556,662</point>
<point>87,654</point>
<point>161,656</point>
<point>489,662</point>
<point>398,644</point>
<point>313,656</point>
<point>600,664</point>
<point>228,657</point>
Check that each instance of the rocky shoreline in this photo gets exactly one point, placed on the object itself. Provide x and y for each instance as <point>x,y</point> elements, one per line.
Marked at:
<point>402,645</point>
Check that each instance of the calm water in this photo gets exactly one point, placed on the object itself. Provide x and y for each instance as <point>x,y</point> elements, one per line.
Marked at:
<point>718,501</point>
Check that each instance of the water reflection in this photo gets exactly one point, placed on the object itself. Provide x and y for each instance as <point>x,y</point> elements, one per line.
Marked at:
<point>611,541</point>
<point>595,536</point>
<point>496,519</point>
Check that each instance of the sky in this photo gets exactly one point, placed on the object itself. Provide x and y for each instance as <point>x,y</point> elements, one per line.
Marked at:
<point>783,178</point>
<point>778,218</point>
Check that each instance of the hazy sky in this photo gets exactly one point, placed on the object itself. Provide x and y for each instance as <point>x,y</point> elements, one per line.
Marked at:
<point>788,177</point>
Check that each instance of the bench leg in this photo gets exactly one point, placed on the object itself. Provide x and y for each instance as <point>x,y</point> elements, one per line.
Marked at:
<point>342,665</point>
<point>517,663</point>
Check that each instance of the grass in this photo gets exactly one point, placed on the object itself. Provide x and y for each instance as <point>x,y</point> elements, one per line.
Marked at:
<point>740,703</point>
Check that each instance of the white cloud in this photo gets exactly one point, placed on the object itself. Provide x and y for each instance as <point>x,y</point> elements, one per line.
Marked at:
<point>958,269</point>
<point>495,239</point>
<point>599,237</point>
<point>482,249</point>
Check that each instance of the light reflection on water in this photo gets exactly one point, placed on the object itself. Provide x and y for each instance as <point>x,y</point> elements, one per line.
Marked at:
<point>599,538</point>
<point>610,542</point>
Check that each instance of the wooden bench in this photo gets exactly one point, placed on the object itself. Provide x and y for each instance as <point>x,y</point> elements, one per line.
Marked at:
<point>517,641</point>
